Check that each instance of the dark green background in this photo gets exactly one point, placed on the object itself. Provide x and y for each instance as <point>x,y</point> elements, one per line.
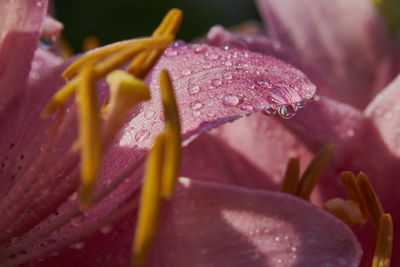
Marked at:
<point>118,20</point>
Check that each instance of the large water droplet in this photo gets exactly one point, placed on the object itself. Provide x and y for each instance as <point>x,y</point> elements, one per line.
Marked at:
<point>230,100</point>
<point>196,106</point>
<point>287,111</point>
<point>179,44</point>
<point>141,135</point>
<point>193,90</point>
<point>216,82</point>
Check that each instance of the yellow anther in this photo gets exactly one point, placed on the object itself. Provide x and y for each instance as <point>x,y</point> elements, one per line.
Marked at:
<point>172,134</point>
<point>91,42</point>
<point>291,181</point>
<point>104,52</point>
<point>369,200</point>
<point>150,203</point>
<point>350,182</point>
<point>114,61</point>
<point>168,27</point>
<point>346,210</point>
<point>89,135</point>
<point>383,249</point>
<point>313,171</point>
<point>125,92</point>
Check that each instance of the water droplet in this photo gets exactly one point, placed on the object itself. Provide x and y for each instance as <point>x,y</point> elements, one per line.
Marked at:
<point>77,221</point>
<point>196,106</point>
<point>286,111</point>
<point>250,86</point>
<point>216,82</point>
<point>200,49</point>
<point>247,108</point>
<point>230,100</point>
<point>141,135</point>
<point>270,110</point>
<point>211,56</point>
<point>350,132</point>
<point>170,52</point>
<point>148,114</point>
<point>193,90</point>
<point>293,248</point>
<point>263,83</point>
<point>228,63</point>
<point>277,239</point>
<point>196,114</point>
<point>186,72</point>
<point>179,44</point>
<point>227,76</point>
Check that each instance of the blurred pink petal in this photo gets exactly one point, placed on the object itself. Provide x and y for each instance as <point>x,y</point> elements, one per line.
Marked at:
<point>20,23</point>
<point>321,37</point>
<point>208,224</point>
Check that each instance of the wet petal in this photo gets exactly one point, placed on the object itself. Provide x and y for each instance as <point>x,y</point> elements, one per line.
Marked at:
<point>208,224</point>
<point>19,34</point>
<point>226,91</point>
<point>218,36</point>
<point>314,31</point>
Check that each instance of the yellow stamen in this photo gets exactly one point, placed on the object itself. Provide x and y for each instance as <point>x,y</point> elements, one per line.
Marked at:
<point>313,171</point>
<point>172,134</point>
<point>350,182</point>
<point>89,132</point>
<point>150,203</point>
<point>292,175</point>
<point>104,52</point>
<point>168,27</point>
<point>125,92</point>
<point>370,200</point>
<point>346,210</point>
<point>91,42</point>
<point>383,249</point>
<point>102,68</point>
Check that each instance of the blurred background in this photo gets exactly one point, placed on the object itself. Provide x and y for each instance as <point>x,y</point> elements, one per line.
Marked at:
<point>116,20</point>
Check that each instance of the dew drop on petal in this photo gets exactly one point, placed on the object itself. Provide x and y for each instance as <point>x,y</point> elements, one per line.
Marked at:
<point>230,100</point>
<point>196,114</point>
<point>170,52</point>
<point>186,72</point>
<point>227,76</point>
<point>286,111</point>
<point>193,90</point>
<point>141,135</point>
<point>77,221</point>
<point>200,49</point>
<point>196,106</point>
<point>247,108</point>
<point>216,82</point>
<point>148,114</point>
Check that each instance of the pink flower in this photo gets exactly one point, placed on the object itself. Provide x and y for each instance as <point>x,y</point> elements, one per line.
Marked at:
<point>223,214</point>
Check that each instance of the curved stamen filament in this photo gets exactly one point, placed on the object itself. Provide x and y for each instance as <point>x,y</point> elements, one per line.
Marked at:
<point>313,171</point>
<point>291,180</point>
<point>89,131</point>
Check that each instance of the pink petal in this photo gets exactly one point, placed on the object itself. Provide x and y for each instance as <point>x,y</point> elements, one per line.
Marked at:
<point>226,92</point>
<point>218,36</point>
<point>346,48</point>
<point>20,22</point>
<point>212,225</point>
